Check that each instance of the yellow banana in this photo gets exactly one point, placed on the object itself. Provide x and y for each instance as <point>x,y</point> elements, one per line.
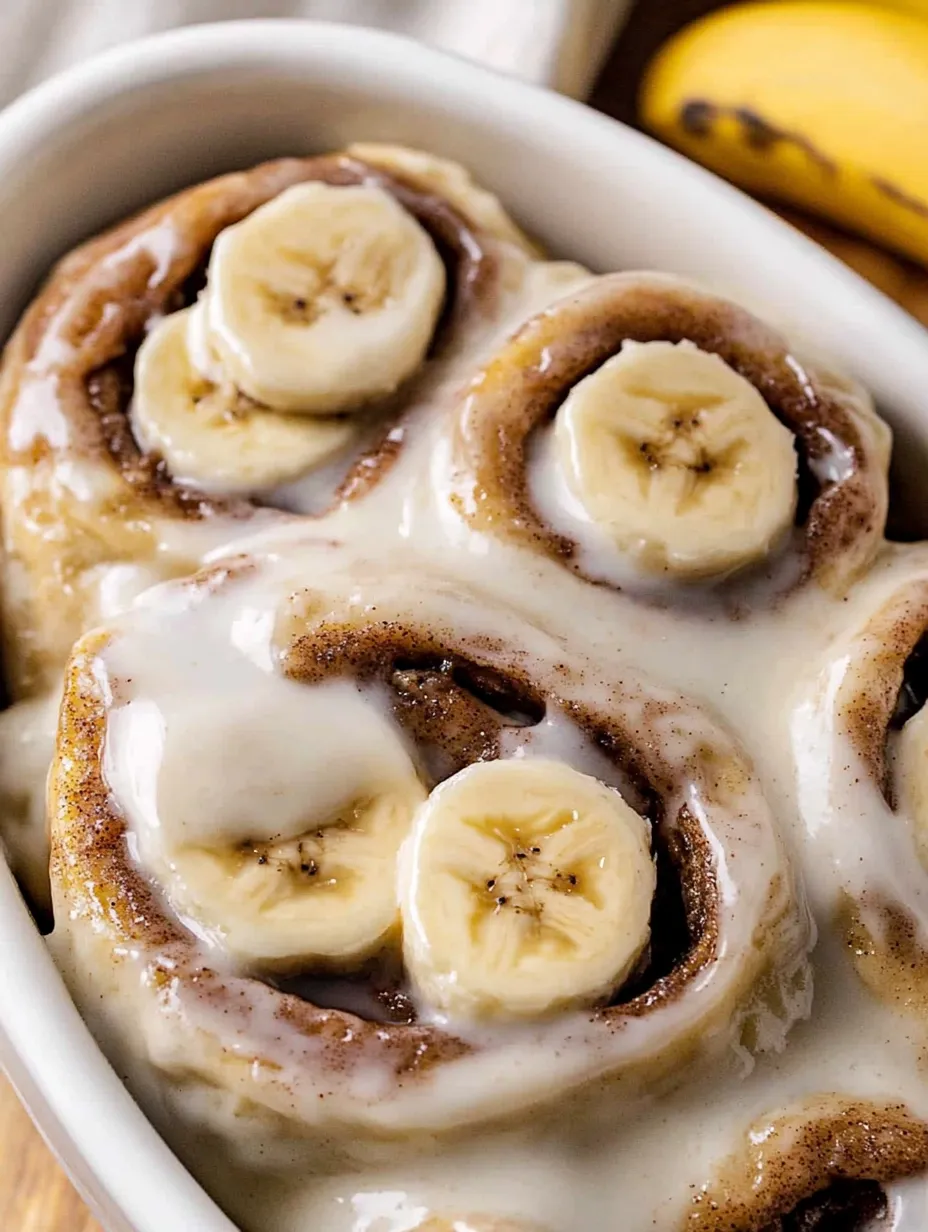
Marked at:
<point>906,6</point>
<point>824,105</point>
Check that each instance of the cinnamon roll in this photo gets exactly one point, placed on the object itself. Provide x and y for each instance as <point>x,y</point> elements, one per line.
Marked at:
<point>553,876</point>
<point>199,364</point>
<point>862,750</point>
<point>641,429</point>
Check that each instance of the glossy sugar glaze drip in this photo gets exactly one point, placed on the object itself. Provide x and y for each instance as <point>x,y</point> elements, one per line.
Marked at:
<point>758,672</point>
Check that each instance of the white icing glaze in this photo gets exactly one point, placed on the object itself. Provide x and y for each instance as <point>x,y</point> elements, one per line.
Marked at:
<point>174,768</point>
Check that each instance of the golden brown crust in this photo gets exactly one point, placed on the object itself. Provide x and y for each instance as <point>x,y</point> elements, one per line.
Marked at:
<point>520,390</point>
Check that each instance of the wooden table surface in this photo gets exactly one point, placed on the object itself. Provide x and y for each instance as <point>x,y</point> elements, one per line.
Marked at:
<point>35,1196</point>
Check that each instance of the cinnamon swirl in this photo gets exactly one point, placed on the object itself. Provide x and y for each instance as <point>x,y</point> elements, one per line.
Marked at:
<point>591,856</point>
<point>644,426</point>
<point>189,366</point>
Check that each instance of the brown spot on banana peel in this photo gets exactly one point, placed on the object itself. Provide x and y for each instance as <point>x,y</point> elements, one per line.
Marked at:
<point>698,115</point>
<point>899,197</point>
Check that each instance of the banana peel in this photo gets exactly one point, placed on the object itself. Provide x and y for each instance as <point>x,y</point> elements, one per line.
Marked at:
<point>819,105</point>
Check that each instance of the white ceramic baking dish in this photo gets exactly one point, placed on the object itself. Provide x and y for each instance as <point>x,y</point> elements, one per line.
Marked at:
<point>97,142</point>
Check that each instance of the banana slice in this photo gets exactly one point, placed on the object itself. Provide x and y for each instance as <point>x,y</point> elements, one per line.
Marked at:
<point>678,459</point>
<point>322,898</point>
<point>210,434</point>
<point>272,818</point>
<point>324,299</point>
<point>202,356</point>
<point>449,180</point>
<point>525,888</point>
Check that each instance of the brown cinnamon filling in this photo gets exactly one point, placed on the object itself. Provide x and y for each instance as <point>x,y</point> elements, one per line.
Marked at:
<point>455,711</point>
<point>845,1206</point>
<point>523,387</point>
<point>107,316</point>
